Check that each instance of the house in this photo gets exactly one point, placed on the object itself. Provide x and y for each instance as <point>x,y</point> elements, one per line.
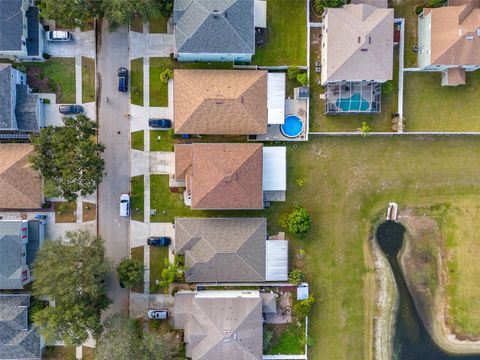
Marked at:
<point>209,30</point>
<point>357,56</point>
<point>18,340</point>
<point>20,109</point>
<point>230,250</point>
<point>449,40</point>
<point>220,325</point>
<point>21,35</point>
<point>20,185</point>
<point>19,243</point>
<point>230,176</point>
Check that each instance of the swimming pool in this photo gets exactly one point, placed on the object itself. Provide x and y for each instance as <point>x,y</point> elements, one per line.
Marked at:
<point>354,103</point>
<point>292,127</point>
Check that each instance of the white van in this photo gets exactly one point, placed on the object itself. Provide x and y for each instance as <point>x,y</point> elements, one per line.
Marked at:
<point>60,36</point>
<point>125,205</point>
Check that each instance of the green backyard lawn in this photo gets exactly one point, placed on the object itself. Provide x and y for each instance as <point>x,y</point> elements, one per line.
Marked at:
<point>137,197</point>
<point>286,42</point>
<point>429,106</point>
<point>88,79</point>
<point>136,74</point>
<point>137,138</point>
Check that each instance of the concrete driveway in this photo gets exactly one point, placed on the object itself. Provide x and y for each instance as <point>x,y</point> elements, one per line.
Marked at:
<point>83,44</point>
<point>141,303</point>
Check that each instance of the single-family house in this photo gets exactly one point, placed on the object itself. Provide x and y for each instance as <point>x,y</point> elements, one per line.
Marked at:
<point>230,176</point>
<point>221,325</point>
<point>357,56</point>
<point>18,339</point>
<point>212,30</point>
<point>228,102</point>
<point>230,250</point>
<point>20,109</point>
<point>21,35</point>
<point>19,243</point>
<point>449,40</point>
<point>20,185</point>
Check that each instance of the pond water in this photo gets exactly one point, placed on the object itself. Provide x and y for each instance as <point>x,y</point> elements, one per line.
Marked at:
<point>412,340</point>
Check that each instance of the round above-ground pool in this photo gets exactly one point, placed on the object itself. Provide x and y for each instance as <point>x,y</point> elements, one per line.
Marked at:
<point>292,127</point>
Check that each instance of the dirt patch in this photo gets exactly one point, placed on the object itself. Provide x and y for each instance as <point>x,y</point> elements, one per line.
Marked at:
<point>65,212</point>
<point>89,212</point>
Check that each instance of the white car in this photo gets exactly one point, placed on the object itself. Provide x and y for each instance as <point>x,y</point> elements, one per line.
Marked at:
<point>125,205</point>
<point>157,314</point>
<point>59,36</point>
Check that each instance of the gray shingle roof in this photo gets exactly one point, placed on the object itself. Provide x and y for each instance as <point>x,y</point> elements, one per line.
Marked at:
<point>220,326</point>
<point>6,98</point>
<point>11,25</point>
<point>17,341</point>
<point>214,26</point>
<point>222,250</point>
<point>25,111</point>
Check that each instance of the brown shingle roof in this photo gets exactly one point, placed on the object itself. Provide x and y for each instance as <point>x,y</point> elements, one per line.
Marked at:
<point>222,176</point>
<point>20,185</point>
<point>453,34</point>
<point>224,102</point>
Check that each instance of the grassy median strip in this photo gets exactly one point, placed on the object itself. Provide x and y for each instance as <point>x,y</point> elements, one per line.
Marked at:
<point>88,79</point>
<point>137,254</point>
<point>137,140</point>
<point>137,197</point>
<point>136,81</point>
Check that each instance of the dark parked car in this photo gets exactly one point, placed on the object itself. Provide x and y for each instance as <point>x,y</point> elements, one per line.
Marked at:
<point>70,109</point>
<point>159,241</point>
<point>160,123</point>
<point>122,79</point>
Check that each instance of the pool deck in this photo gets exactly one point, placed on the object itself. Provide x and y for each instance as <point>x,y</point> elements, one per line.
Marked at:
<point>292,107</point>
<point>369,92</point>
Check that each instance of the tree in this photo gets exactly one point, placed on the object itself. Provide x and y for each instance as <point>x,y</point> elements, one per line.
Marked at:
<point>302,308</point>
<point>302,78</point>
<point>298,222</point>
<point>122,12</point>
<point>130,272</point>
<point>293,72</point>
<point>71,272</point>
<point>296,276</point>
<point>365,129</point>
<point>160,347</point>
<point>173,271</point>
<point>71,13</point>
<point>69,157</point>
<point>166,75</point>
<point>319,5</point>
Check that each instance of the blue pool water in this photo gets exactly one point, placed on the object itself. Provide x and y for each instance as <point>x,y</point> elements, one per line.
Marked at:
<point>354,103</point>
<point>292,127</point>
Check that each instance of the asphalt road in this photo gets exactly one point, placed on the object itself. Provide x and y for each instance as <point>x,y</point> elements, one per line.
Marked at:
<point>112,53</point>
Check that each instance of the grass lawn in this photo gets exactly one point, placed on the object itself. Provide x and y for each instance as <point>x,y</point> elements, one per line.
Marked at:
<point>65,212</point>
<point>286,34</point>
<point>59,353</point>
<point>89,211</point>
<point>137,24</point>
<point>55,75</point>
<point>406,9</point>
<point>348,181</point>
<point>158,254</point>
<point>161,140</point>
<point>429,106</point>
<point>158,25</point>
<point>289,341</point>
<point>137,138</point>
<point>348,123</point>
<point>137,197</point>
<point>88,79</point>
<point>137,254</point>
<point>136,81</point>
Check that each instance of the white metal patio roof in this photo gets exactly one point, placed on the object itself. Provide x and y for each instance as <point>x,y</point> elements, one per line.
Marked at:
<point>276,98</point>
<point>260,19</point>
<point>274,168</point>
<point>276,260</point>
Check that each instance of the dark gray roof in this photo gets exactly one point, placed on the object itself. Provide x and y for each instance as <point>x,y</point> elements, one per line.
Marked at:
<point>11,251</point>
<point>11,25</point>
<point>222,249</point>
<point>33,39</point>
<point>17,340</point>
<point>6,96</point>
<point>26,109</point>
<point>214,26</point>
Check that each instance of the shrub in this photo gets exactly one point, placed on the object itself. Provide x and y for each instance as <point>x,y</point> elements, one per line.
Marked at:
<point>296,276</point>
<point>387,87</point>
<point>46,56</point>
<point>319,5</point>
<point>298,222</point>
<point>302,308</point>
<point>293,72</point>
<point>267,338</point>
<point>365,129</point>
<point>166,75</point>
<point>302,78</point>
